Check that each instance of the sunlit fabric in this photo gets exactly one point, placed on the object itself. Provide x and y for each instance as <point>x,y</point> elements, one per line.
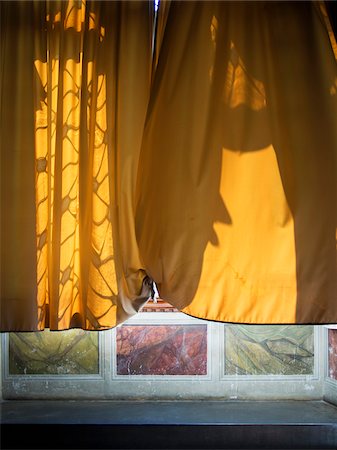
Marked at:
<point>75,86</point>
<point>236,202</point>
<point>207,163</point>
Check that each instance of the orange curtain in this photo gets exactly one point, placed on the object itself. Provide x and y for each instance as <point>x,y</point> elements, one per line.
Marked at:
<point>75,88</point>
<point>208,165</point>
<point>236,206</point>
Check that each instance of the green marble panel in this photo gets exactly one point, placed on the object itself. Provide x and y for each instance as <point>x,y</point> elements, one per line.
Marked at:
<point>269,349</point>
<point>53,353</point>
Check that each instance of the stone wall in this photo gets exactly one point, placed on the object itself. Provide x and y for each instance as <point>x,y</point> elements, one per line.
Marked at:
<point>167,356</point>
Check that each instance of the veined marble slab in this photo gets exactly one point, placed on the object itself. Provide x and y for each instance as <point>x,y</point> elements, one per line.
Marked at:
<point>269,349</point>
<point>53,353</point>
<point>332,339</point>
<point>162,350</point>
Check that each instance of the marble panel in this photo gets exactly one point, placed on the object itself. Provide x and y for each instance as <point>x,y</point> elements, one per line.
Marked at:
<point>332,353</point>
<point>269,349</point>
<point>162,350</point>
<point>158,305</point>
<point>53,353</point>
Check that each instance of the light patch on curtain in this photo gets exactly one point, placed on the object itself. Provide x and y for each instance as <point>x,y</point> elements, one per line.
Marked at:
<point>241,87</point>
<point>333,89</point>
<point>60,147</point>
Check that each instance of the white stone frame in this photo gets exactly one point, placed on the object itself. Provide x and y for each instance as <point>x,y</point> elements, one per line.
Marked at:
<point>215,385</point>
<point>33,386</point>
<point>274,387</point>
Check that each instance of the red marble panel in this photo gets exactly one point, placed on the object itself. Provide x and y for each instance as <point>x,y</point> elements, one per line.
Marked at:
<point>158,305</point>
<point>333,354</point>
<point>162,350</point>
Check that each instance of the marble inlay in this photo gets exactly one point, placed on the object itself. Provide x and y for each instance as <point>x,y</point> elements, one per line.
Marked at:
<point>158,305</point>
<point>53,353</point>
<point>162,350</point>
<point>269,349</point>
<point>332,337</point>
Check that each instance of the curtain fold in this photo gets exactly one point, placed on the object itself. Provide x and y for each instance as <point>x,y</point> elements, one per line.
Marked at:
<point>207,164</point>
<point>245,188</point>
<point>74,97</point>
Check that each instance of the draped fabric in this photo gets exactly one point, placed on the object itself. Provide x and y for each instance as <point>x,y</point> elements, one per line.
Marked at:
<point>207,164</point>
<point>75,88</point>
<point>236,205</point>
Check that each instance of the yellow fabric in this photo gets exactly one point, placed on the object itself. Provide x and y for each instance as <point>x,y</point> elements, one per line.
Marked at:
<point>236,198</point>
<point>227,197</point>
<point>75,88</point>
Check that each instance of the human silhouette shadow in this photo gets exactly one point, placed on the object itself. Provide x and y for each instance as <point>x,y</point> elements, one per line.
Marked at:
<point>191,105</point>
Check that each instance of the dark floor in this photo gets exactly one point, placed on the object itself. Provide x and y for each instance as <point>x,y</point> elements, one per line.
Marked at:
<point>168,425</point>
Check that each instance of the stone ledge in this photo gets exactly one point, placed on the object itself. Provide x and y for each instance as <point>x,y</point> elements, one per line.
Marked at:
<point>169,425</point>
